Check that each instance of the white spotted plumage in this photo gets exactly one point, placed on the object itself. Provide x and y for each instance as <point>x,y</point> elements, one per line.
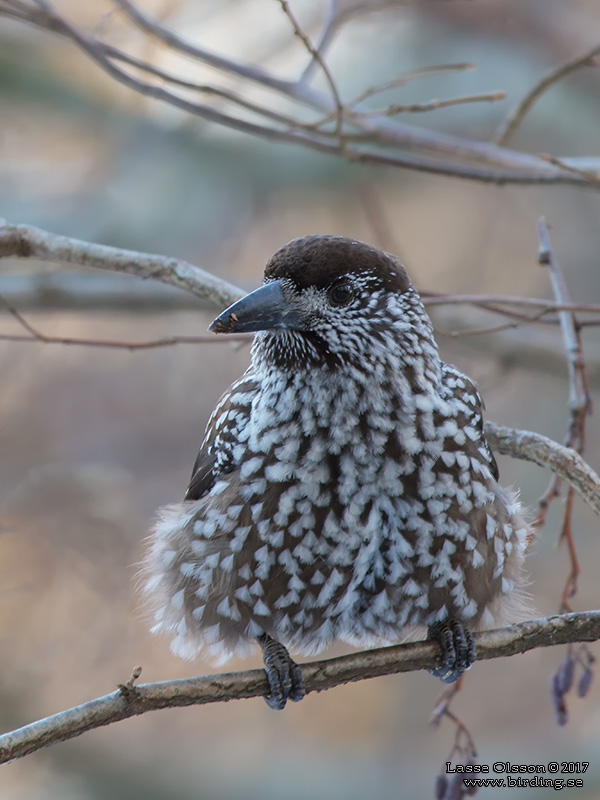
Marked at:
<point>351,492</point>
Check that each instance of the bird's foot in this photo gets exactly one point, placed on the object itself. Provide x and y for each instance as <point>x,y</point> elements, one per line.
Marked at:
<point>458,649</point>
<point>283,674</point>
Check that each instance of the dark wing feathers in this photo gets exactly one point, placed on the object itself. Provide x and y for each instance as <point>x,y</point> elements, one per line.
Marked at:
<point>479,424</point>
<point>203,476</point>
<point>217,454</point>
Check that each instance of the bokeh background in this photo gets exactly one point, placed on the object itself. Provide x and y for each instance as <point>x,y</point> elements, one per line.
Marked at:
<point>92,441</point>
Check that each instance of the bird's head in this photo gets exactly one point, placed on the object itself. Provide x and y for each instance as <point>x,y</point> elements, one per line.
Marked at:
<point>329,300</point>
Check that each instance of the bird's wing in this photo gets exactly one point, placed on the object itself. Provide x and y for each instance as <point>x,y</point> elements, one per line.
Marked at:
<point>223,443</point>
<point>456,385</point>
<point>477,421</point>
<point>203,476</point>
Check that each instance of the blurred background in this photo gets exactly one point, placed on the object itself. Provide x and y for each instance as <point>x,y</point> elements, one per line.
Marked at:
<point>93,441</point>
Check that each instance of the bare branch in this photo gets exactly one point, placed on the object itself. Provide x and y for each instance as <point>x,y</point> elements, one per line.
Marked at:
<point>580,404</point>
<point>431,105</point>
<point>25,241</point>
<point>485,301</point>
<point>441,153</point>
<point>317,676</point>
<point>545,452</point>
<point>529,176</point>
<point>111,344</point>
<point>325,39</point>
<point>98,53</point>
<point>34,334</point>
<point>590,175</point>
<point>317,57</point>
<point>521,322</point>
<point>579,400</point>
<point>411,75</point>
<point>248,71</point>
<point>507,129</point>
<point>203,88</point>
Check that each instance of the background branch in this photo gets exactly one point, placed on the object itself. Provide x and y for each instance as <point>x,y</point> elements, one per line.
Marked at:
<point>28,241</point>
<point>132,700</point>
<point>113,344</point>
<point>580,404</point>
<point>385,139</point>
<point>508,128</point>
<point>25,241</point>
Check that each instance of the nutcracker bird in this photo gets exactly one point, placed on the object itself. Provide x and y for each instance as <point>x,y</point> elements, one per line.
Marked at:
<point>344,489</point>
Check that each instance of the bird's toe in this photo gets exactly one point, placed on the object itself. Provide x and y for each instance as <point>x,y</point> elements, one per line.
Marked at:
<point>458,649</point>
<point>283,674</point>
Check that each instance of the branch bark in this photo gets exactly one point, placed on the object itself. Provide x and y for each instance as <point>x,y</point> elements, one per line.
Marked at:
<point>130,701</point>
<point>25,241</point>
<point>545,452</point>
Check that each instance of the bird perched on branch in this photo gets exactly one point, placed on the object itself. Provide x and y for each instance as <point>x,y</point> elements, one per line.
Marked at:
<point>344,489</point>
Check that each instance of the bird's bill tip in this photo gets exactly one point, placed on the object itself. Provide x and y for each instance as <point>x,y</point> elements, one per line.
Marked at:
<point>224,323</point>
<point>266,308</point>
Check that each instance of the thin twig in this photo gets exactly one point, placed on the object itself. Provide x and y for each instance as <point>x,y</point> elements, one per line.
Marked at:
<point>580,404</point>
<point>583,173</point>
<point>317,675</point>
<point>462,735</point>
<point>442,704</point>
<point>35,335</point>
<point>405,77</point>
<point>552,493</point>
<point>400,80</point>
<point>464,744</point>
<point>216,91</point>
<point>431,105</point>
<point>520,323</point>
<point>238,339</point>
<point>435,299</point>
<point>508,127</point>
<point>248,71</point>
<point>325,39</point>
<point>504,165</point>
<point>566,535</point>
<point>579,397</point>
<point>317,57</point>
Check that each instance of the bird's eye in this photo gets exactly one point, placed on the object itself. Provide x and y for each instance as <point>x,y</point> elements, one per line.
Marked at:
<point>340,295</point>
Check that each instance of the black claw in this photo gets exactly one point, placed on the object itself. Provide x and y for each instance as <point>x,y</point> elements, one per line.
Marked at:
<point>283,674</point>
<point>458,649</point>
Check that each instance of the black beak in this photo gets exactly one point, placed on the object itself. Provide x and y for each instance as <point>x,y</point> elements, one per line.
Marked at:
<point>262,310</point>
